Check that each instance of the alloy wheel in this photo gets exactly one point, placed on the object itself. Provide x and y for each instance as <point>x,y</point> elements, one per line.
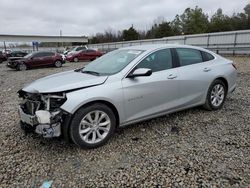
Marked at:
<point>94,127</point>
<point>58,63</point>
<point>22,67</point>
<point>217,95</point>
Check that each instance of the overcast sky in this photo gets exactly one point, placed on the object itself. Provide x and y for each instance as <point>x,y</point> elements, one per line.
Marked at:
<point>82,17</point>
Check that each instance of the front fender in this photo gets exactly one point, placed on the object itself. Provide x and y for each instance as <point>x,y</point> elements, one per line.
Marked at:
<point>79,98</point>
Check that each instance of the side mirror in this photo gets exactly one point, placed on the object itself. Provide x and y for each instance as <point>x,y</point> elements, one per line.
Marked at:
<point>140,72</point>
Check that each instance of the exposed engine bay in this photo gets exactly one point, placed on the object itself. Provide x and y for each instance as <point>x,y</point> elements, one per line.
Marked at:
<point>41,113</point>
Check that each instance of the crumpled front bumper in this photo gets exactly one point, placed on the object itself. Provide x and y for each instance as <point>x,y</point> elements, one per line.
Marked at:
<point>43,122</point>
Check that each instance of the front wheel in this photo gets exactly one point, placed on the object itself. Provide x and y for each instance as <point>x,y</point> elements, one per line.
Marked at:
<point>92,126</point>
<point>22,67</point>
<point>75,59</point>
<point>216,95</point>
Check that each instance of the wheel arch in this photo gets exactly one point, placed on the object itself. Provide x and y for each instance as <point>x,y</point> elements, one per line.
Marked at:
<point>107,103</point>
<point>224,80</point>
<point>68,118</point>
<point>57,60</point>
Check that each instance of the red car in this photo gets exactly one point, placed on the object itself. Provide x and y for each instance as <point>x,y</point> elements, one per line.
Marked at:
<point>37,59</point>
<point>2,57</point>
<point>87,54</point>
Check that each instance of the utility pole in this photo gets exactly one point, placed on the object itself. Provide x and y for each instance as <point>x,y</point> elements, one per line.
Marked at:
<point>4,45</point>
<point>61,36</point>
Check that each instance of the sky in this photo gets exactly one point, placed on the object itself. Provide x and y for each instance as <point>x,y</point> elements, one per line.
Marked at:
<point>82,17</point>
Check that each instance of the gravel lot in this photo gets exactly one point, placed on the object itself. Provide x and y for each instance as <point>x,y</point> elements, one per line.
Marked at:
<point>192,148</point>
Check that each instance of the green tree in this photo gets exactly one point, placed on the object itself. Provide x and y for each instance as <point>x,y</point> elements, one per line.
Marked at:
<point>176,25</point>
<point>194,21</point>
<point>130,34</point>
<point>159,29</point>
<point>220,22</point>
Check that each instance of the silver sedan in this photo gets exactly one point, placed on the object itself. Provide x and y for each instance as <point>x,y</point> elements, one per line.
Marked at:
<point>123,87</point>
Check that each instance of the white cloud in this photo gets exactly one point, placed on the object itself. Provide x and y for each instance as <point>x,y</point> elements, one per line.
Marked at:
<point>81,17</point>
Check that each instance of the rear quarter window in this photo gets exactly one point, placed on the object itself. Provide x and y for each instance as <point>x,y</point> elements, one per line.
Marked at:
<point>207,56</point>
<point>188,56</point>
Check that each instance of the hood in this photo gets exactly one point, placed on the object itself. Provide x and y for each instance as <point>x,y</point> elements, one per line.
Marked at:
<point>15,58</point>
<point>64,81</point>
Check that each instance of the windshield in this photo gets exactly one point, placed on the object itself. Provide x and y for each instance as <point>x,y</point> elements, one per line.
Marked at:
<point>29,55</point>
<point>112,62</point>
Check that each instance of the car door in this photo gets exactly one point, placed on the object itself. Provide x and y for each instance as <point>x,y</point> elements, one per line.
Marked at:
<point>82,55</point>
<point>149,95</point>
<point>89,54</point>
<point>48,59</point>
<point>194,75</point>
<point>36,60</point>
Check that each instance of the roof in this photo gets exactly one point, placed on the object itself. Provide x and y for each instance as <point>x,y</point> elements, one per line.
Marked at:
<point>158,46</point>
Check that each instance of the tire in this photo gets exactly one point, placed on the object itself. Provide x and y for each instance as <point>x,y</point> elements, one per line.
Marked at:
<point>75,59</point>
<point>58,64</point>
<point>21,67</point>
<point>93,134</point>
<point>216,95</point>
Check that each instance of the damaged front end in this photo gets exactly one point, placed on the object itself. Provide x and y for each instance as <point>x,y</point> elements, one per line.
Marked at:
<point>41,113</point>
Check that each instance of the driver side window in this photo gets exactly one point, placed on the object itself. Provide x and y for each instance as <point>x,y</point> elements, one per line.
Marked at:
<point>157,61</point>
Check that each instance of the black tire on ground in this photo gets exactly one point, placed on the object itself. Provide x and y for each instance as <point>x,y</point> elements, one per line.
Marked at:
<point>58,64</point>
<point>78,117</point>
<point>21,67</point>
<point>75,59</point>
<point>209,104</point>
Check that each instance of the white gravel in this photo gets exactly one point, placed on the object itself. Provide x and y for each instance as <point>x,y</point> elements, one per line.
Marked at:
<point>192,148</point>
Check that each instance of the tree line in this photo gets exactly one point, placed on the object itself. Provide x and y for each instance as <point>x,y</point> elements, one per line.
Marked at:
<point>191,21</point>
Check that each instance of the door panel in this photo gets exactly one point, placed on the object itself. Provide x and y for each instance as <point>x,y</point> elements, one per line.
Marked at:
<point>145,96</point>
<point>194,76</point>
<point>48,60</point>
<point>36,62</point>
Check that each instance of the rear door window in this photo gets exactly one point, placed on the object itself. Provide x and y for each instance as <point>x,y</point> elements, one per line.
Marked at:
<point>188,56</point>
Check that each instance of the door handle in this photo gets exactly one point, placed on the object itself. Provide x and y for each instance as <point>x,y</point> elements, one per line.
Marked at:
<point>171,76</point>
<point>207,69</point>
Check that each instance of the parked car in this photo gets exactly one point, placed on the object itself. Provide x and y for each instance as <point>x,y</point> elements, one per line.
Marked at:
<point>75,49</point>
<point>2,57</point>
<point>123,87</point>
<point>88,54</point>
<point>36,59</point>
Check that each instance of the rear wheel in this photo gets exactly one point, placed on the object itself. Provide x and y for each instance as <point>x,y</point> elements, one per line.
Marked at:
<point>58,64</point>
<point>75,59</point>
<point>216,95</point>
<point>21,67</point>
<point>92,126</point>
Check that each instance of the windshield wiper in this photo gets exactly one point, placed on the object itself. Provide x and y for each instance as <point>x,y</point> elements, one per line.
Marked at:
<point>91,72</point>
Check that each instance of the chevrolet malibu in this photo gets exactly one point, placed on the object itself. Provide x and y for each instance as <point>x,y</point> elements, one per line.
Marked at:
<point>123,87</point>
<point>36,59</point>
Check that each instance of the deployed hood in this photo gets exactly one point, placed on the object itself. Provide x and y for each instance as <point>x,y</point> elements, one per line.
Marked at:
<point>16,58</point>
<point>64,81</point>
